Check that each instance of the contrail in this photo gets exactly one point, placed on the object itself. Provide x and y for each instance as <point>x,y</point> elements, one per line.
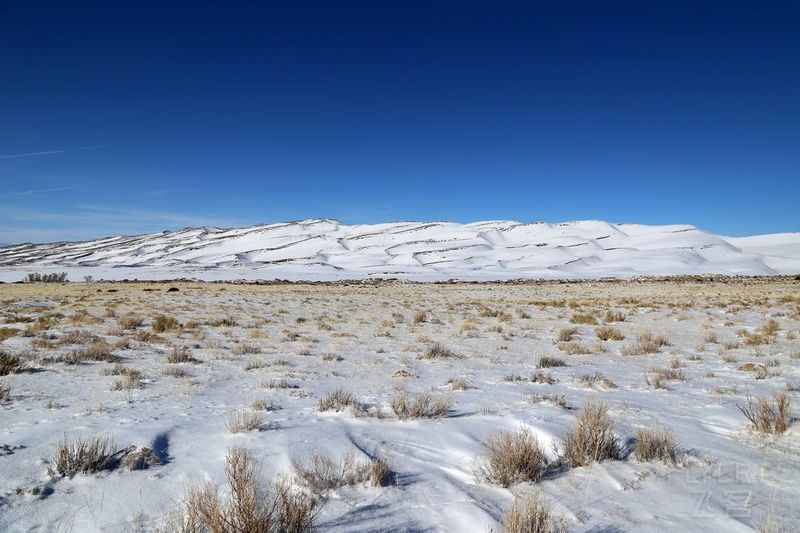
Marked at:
<point>50,152</point>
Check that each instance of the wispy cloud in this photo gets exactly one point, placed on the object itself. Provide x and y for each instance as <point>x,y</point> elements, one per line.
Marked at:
<point>20,224</point>
<point>31,154</point>
<point>51,152</point>
<point>36,191</point>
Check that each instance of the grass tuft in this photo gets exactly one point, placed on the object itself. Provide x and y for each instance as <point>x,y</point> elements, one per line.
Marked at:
<point>511,458</point>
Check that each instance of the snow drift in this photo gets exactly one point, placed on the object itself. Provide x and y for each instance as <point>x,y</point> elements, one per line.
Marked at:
<point>325,249</point>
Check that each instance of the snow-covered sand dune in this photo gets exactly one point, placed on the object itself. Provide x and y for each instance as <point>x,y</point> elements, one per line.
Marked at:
<point>492,250</point>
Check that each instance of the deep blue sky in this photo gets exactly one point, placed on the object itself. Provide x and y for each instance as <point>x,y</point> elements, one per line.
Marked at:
<point>123,117</point>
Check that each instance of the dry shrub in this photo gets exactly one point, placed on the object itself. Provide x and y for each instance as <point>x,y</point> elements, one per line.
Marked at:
<point>162,324</point>
<point>607,333</point>
<point>656,445</point>
<point>770,328</point>
<point>556,399</point>
<point>86,455</point>
<point>550,362</point>
<point>254,365</point>
<point>141,460</point>
<point>262,404</point>
<point>97,351</point>
<point>437,351</point>
<point>245,349</point>
<point>130,322</point>
<point>5,393</point>
<point>614,316</point>
<point>511,458</point>
<point>422,406</point>
<point>768,417</point>
<point>757,338</point>
<point>242,420</point>
<point>591,438</point>
<point>322,472</point>
<point>574,348</point>
<point>131,379</point>
<point>566,334</point>
<point>459,384</point>
<point>175,372</point>
<point>77,336</point>
<point>599,378</point>
<point>586,318</point>
<point>280,383</point>
<point>7,333</point>
<point>223,322</point>
<point>659,378</point>
<point>340,399</point>
<point>180,354</point>
<point>249,507</point>
<point>541,377</point>
<point>532,514</point>
<point>646,343</point>
<point>10,364</point>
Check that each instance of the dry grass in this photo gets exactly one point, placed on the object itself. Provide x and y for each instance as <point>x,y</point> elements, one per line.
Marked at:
<point>459,384</point>
<point>550,362</point>
<point>322,472</point>
<point>574,348</point>
<point>142,459</point>
<point>421,406</point>
<point>607,333</point>
<point>556,399</point>
<point>420,317</point>
<point>131,379</point>
<point>163,324</point>
<point>243,420</point>
<point>511,458</point>
<point>130,322</point>
<point>659,378</point>
<point>245,348</point>
<point>614,316</point>
<point>340,399</point>
<point>85,455</point>
<point>585,318</point>
<point>7,333</point>
<point>10,364</point>
<point>646,343</point>
<point>175,372</point>
<point>180,354</point>
<point>656,445</point>
<point>531,514</point>
<point>262,404</point>
<point>596,378</point>
<point>566,334</point>
<point>767,416</point>
<point>437,351</point>
<point>97,351</point>
<point>591,438</point>
<point>5,393</point>
<point>250,506</point>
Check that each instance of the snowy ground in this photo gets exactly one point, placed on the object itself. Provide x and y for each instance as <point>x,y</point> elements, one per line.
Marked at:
<point>315,337</point>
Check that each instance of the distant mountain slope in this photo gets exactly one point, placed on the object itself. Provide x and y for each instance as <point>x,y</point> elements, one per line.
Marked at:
<point>328,249</point>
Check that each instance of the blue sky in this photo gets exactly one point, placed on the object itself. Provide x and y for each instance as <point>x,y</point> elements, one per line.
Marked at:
<point>126,117</point>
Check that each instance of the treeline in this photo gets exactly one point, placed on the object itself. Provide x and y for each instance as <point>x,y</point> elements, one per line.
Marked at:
<point>46,278</point>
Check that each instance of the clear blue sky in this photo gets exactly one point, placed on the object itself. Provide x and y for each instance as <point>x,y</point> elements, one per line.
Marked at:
<point>124,117</point>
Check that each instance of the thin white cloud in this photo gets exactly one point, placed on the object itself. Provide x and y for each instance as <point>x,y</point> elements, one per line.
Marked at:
<point>31,154</point>
<point>50,152</point>
<point>21,224</point>
<point>37,191</point>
